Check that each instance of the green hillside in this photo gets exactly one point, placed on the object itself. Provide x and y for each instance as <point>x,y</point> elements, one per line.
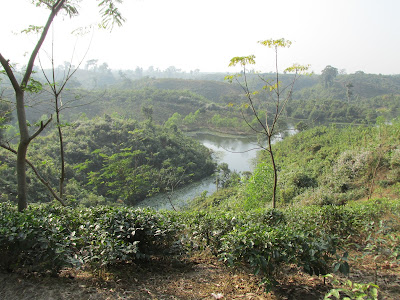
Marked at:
<point>111,160</point>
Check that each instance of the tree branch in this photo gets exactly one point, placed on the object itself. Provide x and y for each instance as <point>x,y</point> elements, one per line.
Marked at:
<point>42,127</point>
<point>246,89</point>
<point>248,124</point>
<point>10,74</point>
<point>54,10</point>
<point>42,180</point>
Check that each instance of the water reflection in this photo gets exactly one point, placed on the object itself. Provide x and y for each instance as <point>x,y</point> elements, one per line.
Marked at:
<point>238,152</point>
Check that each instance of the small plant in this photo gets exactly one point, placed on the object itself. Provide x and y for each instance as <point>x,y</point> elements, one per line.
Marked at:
<point>381,243</point>
<point>352,290</point>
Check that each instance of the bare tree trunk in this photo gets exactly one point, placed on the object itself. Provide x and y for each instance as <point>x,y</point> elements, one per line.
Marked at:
<point>271,153</point>
<point>62,177</point>
<point>21,175</point>
<point>22,150</point>
<point>60,137</point>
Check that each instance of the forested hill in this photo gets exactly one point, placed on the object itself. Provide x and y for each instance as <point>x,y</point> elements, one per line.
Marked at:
<point>111,160</point>
<point>215,91</point>
<point>205,100</point>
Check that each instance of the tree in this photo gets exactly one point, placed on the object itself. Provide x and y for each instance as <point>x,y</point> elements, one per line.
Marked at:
<point>91,64</point>
<point>328,75</point>
<point>56,89</point>
<point>277,96</point>
<point>349,92</point>
<point>147,111</point>
<point>110,16</point>
<point>139,72</point>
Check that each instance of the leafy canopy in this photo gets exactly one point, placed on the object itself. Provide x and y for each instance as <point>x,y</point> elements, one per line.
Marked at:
<point>109,12</point>
<point>276,43</point>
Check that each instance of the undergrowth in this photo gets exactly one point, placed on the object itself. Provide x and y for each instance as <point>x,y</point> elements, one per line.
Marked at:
<point>47,238</point>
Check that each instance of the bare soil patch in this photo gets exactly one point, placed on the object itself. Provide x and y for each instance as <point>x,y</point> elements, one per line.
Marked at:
<point>201,276</point>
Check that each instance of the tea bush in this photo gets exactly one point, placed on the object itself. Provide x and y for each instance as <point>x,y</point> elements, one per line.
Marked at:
<point>331,165</point>
<point>312,237</point>
<point>36,239</point>
<point>49,238</point>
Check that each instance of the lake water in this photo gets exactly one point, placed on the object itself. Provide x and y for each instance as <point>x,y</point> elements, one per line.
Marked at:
<point>238,152</point>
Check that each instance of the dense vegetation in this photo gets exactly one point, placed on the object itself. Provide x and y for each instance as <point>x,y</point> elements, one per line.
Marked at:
<point>348,98</point>
<point>112,160</point>
<point>326,165</point>
<point>331,165</point>
<point>320,166</point>
<point>315,238</point>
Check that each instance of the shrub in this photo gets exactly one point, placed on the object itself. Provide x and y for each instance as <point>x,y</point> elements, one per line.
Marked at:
<point>259,187</point>
<point>45,237</point>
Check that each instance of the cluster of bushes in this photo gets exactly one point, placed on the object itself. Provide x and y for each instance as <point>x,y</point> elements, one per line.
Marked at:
<point>311,237</point>
<point>49,238</point>
<point>331,165</point>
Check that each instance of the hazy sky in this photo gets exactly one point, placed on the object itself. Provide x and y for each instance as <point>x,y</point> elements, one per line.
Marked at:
<point>348,34</point>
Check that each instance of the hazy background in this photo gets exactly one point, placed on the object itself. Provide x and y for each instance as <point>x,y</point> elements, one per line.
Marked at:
<point>347,34</point>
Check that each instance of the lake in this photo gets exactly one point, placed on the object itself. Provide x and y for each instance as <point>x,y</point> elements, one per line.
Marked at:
<point>237,151</point>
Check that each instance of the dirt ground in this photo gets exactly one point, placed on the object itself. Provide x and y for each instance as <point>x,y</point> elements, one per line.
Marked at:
<point>198,277</point>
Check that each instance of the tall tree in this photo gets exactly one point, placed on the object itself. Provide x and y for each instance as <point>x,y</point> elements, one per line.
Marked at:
<point>110,16</point>
<point>277,96</point>
<point>328,75</point>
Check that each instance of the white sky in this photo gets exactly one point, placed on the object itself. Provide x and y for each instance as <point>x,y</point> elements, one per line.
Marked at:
<point>205,34</point>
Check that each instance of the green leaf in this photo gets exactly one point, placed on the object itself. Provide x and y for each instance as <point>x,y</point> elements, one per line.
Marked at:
<point>33,29</point>
<point>374,293</point>
<point>276,43</point>
<point>243,60</point>
<point>33,86</point>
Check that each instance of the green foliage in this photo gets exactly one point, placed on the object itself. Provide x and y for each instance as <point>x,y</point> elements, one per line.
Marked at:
<point>33,86</point>
<point>311,237</point>
<point>353,291</point>
<point>5,117</point>
<point>174,121</point>
<point>331,165</point>
<point>242,60</point>
<point>276,43</point>
<point>116,161</point>
<point>109,12</point>
<point>258,188</point>
<point>33,29</point>
<point>382,241</point>
<point>49,238</point>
